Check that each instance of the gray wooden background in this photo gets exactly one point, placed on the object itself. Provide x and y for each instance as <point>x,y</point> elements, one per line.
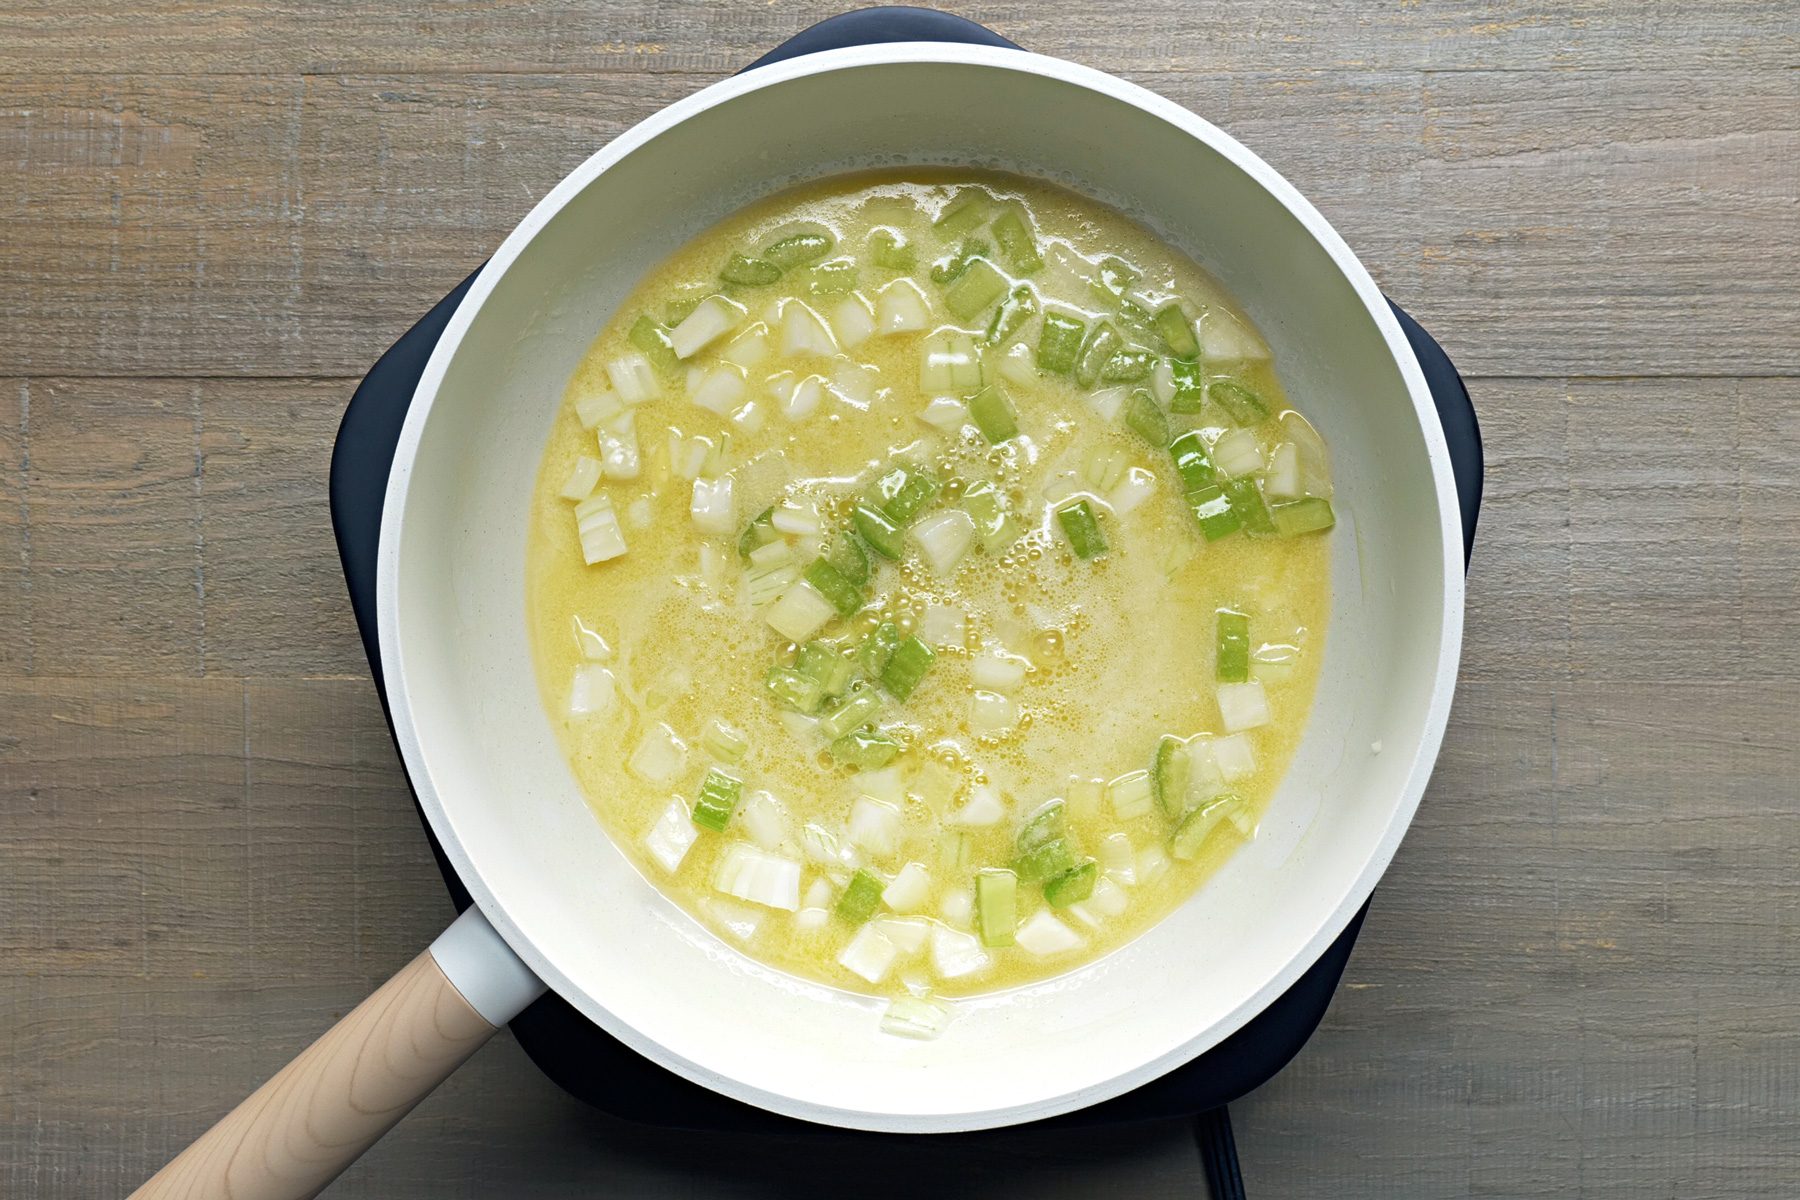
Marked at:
<point>1582,974</point>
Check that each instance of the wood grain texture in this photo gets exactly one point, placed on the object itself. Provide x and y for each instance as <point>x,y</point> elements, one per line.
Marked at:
<point>314,1117</point>
<point>1578,976</point>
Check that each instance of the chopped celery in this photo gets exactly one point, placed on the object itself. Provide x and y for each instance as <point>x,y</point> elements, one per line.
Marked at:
<point>1310,515</point>
<point>1102,343</point>
<point>978,285</point>
<point>749,272</point>
<point>1045,862</point>
<point>996,905</point>
<point>1247,501</point>
<point>861,897</point>
<point>1044,825</point>
<point>906,666</point>
<point>718,798</point>
<point>846,553</point>
<point>968,209</point>
<point>903,492</point>
<point>828,665</point>
<point>845,596</point>
<point>994,414</point>
<point>996,527</point>
<point>1212,508</point>
<point>865,749</point>
<point>1082,529</point>
<point>1144,417</point>
<point>724,742</point>
<point>1017,243</point>
<point>833,278</point>
<point>1019,307</point>
<point>1169,775</point>
<point>1190,387</point>
<point>1059,345</point>
<point>1072,887</point>
<point>884,537</point>
<point>892,252</point>
<point>947,270</point>
<point>795,690</point>
<point>798,249</point>
<point>1244,406</point>
<point>1117,276</point>
<point>1177,331</point>
<point>1128,366</point>
<point>1234,647</point>
<point>1193,463</point>
<point>858,708</point>
<point>1194,829</point>
<point>878,648</point>
<point>648,335</point>
<point>759,532</point>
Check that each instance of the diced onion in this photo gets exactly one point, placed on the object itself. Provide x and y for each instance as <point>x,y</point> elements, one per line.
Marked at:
<point>1162,381</point>
<point>582,479</point>
<point>673,834</point>
<point>990,712</point>
<point>1234,757</point>
<point>944,538</point>
<point>797,398</point>
<point>1108,403</point>
<point>869,954</point>
<point>1118,857</point>
<point>957,907</point>
<point>638,514</point>
<point>741,921</point>
<point>765,821</point>
<point>687,455</point>
<point>1236,453</point>
<point>1131,492</point>
<point>711,319</point>
<point>949,361</point>
<point>750,417</point>
<point>822,847</point>
<point>719,390</point>
<point>812,919</point>
<point>591,690</point>
<point>996,671</point>
<point>749,348</point>
<point>909,891</point>
<point>882,785</point>
<point>915,1017</point>
<point>800,612</point>
<point>619,447</point>
<point>854,384</point>
<point>1283,479</point>
<point>804,331</point>
<point>1152,861</point>
<point>941,625</point>
<point>955,954</point>
<point>659,756</point>
<point>1315,462</point>
<point>592,409</point>
<point>1108,899</point>
<point>1130,795</point>
<point>597,525</point>
<point>1223,338</point>
<point>712,508</point>
<point>875,825</point>
<point>1043,935</point>
<point>754,874</point>
<point>900,307</point>
<point>946,413</point>
<point>935,782</point>
<point>852,321</point>
<point>985,808</point>
<point>796,518</point>
<point>1017,365</point>
<point>633,378</point>
<point>593,647</point>
<point>908,934</point>
<point>1243,706</point>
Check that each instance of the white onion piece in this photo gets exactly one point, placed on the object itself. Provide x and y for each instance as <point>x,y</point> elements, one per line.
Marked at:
<point>741,921</point>
<point>990,712</point>
<point>955,954</point>
<point>985,808</point>
<point>944,538</point>
<point>719,390</point>
<point>1043,935</point>
<point>1162,381</point>
<point>712,508</point>
<point>869,954</point>
<point>711,319</point>
<point>950,361</point>
<point>597,525</point>
<point>1315,461</point>
<point>671,837</point>
<point>909,891</point>
<point>638,514</point>
<point>687,455</point>
<point>852,321</point>
<point>619,447</point>
<point>1243,706</point>
<point>1131,492</point>
<point>749,348</point>
<point>633,378</point>
<point>1152,861</point>
<point>915,1017</point>
<point>854,384</point>
<point>796,518</point>
<point>957,907</point>
<point>1118,857</point>
<point>765,820</point>
<point>659,756</point>
<point>593,647</point>
<point>1108,899</point>
<point>1131,795</point>
<point>1223,338</point>
<point>804,331</point>
<point>1107,403</point>
<point>750,418</point>
<point>941,625</point>
<point>1237,453</point>
<point>582,478</point>
<point>946,413</point>
<point>900,307</point>
<point>750,873</point>
<point>1234,757</point>
<point>996,671</point>
<point>592,409</point>
<point>1017,365</point>
<point>797,398</point>
<point>591,690</point>
<point>908,934</point>
<point>812,919</point>
<point>1283,479</point>
<point>875,826</point>
<point>883,784</point>
<point>800,612</point>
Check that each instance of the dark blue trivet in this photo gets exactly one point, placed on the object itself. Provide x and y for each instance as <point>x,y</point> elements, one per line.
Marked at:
<point>577,1054</point>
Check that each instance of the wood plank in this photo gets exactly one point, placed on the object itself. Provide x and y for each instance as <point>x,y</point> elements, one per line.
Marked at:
<point>440,36</point>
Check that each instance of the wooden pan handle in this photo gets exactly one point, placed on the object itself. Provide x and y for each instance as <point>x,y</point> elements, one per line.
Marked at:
<point>303,1127</point>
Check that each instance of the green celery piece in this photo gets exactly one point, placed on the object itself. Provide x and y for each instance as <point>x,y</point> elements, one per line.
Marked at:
<point>865,749</point>
<point>994,525</point>
<point>1019,307</point>
<point>1192,463</point>
<point>717,800</point>
<point>861,897</point>
<point>878,648</point>
<point>834,278</point>
<point>858,709</point>
<point>1190,387</point>
<point>1017,243</point>
<point>749,272</point>
<point>846,553</point>
<point>648,335</point>
<point>1311,514</point>
<point>1045,861</point>
<point>1059,345</point>
<point>906,666</point>
<point>1082,529</point>
<point>1117,276</point>
<point>799,249</point>
<point>1194,829</point>
<point>1044,825</point>
<point>884,537</point>
<point>1234,647</point>
<point>1072,887</point>
<point>994,414</point>
<point>759,532</point>
<point>1169,775</point>
<point>1247,501</point>
<point>904,492</point>
<point>892,252</point>
<point>1128,365</point>
<point>1144,417</point>
<point>996,905</point>
<point>975,287</point>
<point>828,665</point>
<point>725,742</point>
<point>845,596</point>
<point>1244,406</point>
<point>968,209</point>
<point>1102,343</point>
<point>795,689</point>
<point>1212,508</point>
<point>1177,332</point>
<point>947,270</point>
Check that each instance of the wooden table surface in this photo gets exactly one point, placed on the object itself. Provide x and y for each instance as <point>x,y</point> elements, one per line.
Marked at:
<point>1582,973</point>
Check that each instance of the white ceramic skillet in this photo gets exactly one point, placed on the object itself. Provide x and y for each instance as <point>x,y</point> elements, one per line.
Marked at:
<point>558,905</point>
